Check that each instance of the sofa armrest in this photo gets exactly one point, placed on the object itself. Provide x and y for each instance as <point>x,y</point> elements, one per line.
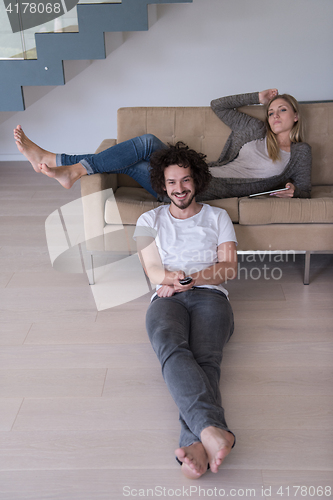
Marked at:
<point>107,143</point>
<point>98,182</point>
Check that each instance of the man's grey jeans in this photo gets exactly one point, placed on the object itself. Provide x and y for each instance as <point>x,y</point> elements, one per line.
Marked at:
<point>188,332</point>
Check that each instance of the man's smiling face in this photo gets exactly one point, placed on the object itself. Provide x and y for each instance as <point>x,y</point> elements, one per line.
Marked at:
<point>179,185</point>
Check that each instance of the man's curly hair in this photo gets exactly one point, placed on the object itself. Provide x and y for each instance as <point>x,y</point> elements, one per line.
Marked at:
<point>179,154</point>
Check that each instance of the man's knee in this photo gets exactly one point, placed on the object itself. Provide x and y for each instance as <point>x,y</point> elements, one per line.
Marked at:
<point>167,326</point>
<point>165,332</point>
<point>165,345</point>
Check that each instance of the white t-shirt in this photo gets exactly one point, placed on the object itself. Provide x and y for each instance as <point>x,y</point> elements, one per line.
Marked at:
<point>253,162</point>
<point>189,244</point>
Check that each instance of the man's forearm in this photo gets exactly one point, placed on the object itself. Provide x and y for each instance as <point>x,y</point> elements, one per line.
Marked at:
<point>216,274</point>
<point>160,276</point>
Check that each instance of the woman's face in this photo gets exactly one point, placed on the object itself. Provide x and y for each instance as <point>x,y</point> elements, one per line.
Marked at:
<point>281,116</point>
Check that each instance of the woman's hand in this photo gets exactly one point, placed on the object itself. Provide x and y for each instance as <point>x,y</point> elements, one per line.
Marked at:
<point>286,194</point>
<point>266,95</point>
<point>166,291</point>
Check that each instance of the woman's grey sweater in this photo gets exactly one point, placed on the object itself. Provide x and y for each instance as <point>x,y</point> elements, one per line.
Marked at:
<point>245,129</point>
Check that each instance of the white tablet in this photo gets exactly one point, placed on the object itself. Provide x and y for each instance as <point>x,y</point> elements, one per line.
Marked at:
<point>268,192</point>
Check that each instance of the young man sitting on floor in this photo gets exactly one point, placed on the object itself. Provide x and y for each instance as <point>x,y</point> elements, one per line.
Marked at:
<point>189,324</point>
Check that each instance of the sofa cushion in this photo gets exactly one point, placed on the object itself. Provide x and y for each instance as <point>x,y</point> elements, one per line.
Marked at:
<point>133,202</point>
<point>271,210</point>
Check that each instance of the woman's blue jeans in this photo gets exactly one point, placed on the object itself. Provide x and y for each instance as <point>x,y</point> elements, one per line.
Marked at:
<point>129,157</point>
<point>188,332</point>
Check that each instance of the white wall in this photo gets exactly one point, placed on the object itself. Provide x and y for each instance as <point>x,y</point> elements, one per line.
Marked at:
<point>192,54</point>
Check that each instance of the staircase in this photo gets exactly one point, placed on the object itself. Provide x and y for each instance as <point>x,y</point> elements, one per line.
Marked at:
<point>54,48</point>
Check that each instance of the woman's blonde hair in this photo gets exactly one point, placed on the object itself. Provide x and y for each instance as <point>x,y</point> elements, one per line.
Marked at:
<point>296,133</point>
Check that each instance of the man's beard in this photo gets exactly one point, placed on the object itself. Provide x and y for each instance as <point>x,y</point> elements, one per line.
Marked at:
<point>183,204</point>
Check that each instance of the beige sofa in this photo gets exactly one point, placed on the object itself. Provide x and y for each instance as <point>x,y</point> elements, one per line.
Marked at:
<point>261,224</point>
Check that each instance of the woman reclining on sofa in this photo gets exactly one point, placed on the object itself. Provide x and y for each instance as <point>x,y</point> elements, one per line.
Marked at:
<point>258,156</point>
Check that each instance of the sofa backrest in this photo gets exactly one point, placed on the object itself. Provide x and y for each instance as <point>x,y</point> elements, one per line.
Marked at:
<point>202,130</point>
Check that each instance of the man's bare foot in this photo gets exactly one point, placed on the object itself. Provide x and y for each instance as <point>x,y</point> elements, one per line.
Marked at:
<point>194,458</point>
<point>217,443</point>
<point>65,175</point>
<point>31,151</point>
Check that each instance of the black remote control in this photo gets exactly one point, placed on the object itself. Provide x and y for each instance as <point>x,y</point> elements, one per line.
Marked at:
<point>185,281</point>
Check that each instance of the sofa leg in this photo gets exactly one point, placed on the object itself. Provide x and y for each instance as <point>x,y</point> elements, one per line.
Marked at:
<point>307,268</point>
<point>90,271</point>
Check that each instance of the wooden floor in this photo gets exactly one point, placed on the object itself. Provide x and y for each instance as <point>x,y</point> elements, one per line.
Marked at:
<point>84,412</point>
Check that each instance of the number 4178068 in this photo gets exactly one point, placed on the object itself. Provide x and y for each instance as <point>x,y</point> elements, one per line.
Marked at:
<point>305,491</point>
<point>34,8</point>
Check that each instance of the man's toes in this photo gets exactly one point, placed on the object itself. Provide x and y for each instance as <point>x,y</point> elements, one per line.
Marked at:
<point>190,473</point>
<point>180,454</point>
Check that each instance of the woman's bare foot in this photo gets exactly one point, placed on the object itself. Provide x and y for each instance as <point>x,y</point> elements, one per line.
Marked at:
<point>31,151</point>
<point>217,443</point>
<point>194,458</point>
<point>65,175</point>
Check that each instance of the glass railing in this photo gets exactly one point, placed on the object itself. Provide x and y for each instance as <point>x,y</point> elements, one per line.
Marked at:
<point>21,44</point>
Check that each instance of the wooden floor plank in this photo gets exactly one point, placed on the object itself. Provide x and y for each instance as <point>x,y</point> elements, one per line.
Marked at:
<point>255,449</point>
<point>45,383</point>
<point>154,409</point>
<point>263,354</point>
<point>9,408</point>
